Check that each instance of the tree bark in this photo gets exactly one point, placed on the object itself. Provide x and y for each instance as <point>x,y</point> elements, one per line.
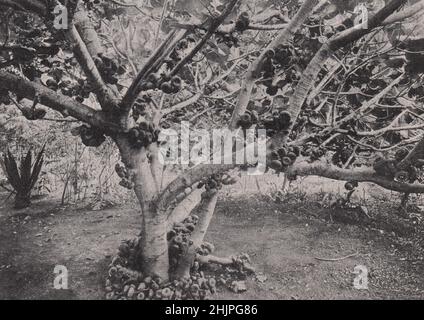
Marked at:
<point>154,245</point>
<point>184,208</point>
<point>361,174</point>
<point>55,101</point>
<point>153,248</point>
<point>205,213</point>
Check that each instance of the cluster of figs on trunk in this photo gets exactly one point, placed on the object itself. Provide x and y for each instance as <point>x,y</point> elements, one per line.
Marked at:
<point>124,283</point>
<point>284,157</point>
<point>211,184</point>
<point>196,287</point>
<point>343,153</point>
<point>168,85</point>
<point>242,22</point>
<point>109,68</point>
<point>143,135</point>
<point>126,178</point>
<point>91,3</point>
<point>79,89</point>
<point>215,182</point>
<point>179,240</point>
<point>390,168</point>
<point>276,59</point>
<point>90,137</point>
<point>313,152</point>
<point>139,108</point>
<point>278,121</point>
<point>248,119</point>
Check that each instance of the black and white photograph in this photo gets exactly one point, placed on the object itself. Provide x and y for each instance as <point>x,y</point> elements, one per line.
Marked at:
<point>234,151</point>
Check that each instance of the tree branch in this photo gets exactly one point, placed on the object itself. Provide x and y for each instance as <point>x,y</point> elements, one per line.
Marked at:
<point>255,68</point>
<point>405,14</point>
<point>183,104</point>
<point>107,98</point>
<point>205,212</point>
<point>416,153</point>
<point>185,207</point>
<point>338,41</point>
<point>215,23</point>
<point>55,101</point>
<point>154,61</point>
<point>187,179</point>
<point>164,50</point>
<point>360,175</point>
<point>85,43</point>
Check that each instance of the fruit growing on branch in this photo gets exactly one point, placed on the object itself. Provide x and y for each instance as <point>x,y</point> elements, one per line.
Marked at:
<point>91,137</point>
<point>284,157</point>
<point>279,121</point>
<point>243,21</point>
<point>143,135</point>
<point>351,185</point>
<point>248,119</point>
<point>401,176</point>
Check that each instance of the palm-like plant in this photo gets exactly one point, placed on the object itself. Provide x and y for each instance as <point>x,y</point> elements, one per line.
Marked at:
<point>23,179</point>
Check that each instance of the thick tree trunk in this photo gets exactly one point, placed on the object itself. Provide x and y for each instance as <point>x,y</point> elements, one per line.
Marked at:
<point>153,247</point>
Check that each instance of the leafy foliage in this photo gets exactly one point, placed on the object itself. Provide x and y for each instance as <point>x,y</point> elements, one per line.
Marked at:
<point>23,179</point>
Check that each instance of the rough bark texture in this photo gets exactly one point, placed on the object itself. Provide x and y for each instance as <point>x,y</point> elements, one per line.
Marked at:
<point>155,204</point>
<point>360,175</point>
<point>54,100</point>
<point>205,213</point>
<point>154,245</point>
<point>183,209</point>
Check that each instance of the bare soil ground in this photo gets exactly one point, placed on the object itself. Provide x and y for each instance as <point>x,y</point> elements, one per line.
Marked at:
<point>283,240</point>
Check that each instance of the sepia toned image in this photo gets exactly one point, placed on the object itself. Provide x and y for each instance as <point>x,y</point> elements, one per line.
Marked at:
<point>221,150</point>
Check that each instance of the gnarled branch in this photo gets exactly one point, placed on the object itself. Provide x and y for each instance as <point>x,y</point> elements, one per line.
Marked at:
<point>363,174</point>
<point>55,101</point>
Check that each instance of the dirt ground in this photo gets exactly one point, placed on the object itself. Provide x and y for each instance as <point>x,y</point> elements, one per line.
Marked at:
<point>286,242</point>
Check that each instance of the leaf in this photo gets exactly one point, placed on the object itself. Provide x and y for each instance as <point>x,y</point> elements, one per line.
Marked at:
<point>37,167</point>
<point>26,170</point>
<point>12,171</point>
<point>36,172</point>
